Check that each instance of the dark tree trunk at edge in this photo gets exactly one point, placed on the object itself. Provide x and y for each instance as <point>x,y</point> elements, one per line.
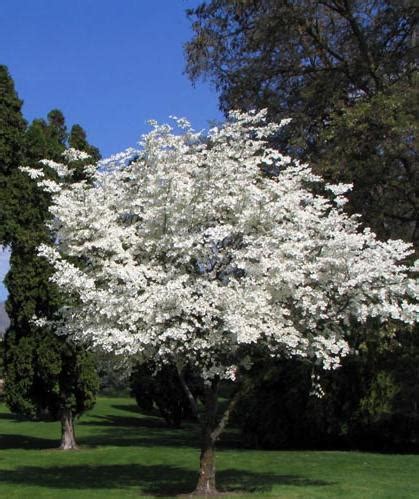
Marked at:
<point>68,439</point>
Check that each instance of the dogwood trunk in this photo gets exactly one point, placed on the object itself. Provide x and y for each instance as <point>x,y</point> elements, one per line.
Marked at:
<point>211,429</point>
<point>68,439</point>
<point>206,480</point>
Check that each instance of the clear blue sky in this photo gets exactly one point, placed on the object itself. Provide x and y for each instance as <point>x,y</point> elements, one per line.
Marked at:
<point>109,65</point>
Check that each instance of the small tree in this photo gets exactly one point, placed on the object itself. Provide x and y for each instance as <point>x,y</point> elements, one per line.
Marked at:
<point>206,252</point>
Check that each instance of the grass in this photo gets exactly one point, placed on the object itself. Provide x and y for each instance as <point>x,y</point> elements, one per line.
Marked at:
<point>126,454</point>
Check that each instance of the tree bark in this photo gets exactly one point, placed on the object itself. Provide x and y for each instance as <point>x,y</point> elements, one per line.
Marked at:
<point>211,429</point>
<point>206,481</point>
<point>68,439</point>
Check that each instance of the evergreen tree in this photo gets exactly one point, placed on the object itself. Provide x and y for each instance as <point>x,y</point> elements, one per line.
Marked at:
<point>12,128</point>
<point>78,140</point>
<point>47,375</point>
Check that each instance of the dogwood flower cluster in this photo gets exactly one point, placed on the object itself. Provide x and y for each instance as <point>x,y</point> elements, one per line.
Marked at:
<point>202,249</point>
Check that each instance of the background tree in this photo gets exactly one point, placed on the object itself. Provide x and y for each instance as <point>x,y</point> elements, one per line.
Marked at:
<point>196,258</point>
<point>158,387</point>
<point>78,140</point>
<point>12,129</point>
<point>344,70</point>
<point>373,144</point>
<point>47,376</point>
<point>369,403</point>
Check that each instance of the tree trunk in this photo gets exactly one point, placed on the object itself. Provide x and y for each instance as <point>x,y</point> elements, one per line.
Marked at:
<point>211,429</point>
<point>206,480</point>
<point>68,439</point>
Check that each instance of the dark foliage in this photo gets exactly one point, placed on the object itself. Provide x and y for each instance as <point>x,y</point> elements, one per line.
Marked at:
<point>160,388</point>
<point>344,70</point>
<point>370,403</point>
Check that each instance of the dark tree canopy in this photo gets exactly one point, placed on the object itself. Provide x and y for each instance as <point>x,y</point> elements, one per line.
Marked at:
<point>161,388</point>
<point>300,56</point>
<point>78,140</point>
<point>373,145</point>
<point>12,123</point>
<point>344,70</point>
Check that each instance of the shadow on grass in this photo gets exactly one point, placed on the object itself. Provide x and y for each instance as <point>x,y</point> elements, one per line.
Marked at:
<point>112,440</point>
<point>116,431</point>
<point>128,431</point>
<point>126,421</point>
<point>10,441</point>
<point>9,416</point>
<point>131,408</point>
<point>157,480</point>
<point>152,413</point>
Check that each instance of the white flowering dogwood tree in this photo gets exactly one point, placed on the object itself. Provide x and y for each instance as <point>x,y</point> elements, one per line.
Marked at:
<point>202,250</point>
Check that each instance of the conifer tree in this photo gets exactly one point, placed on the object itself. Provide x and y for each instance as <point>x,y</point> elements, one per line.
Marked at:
<point>78,140</point>
<point>47,376</point>
<point>12,127</point>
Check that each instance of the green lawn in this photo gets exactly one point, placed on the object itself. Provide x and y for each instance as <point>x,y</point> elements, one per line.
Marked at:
<point>124,454</point>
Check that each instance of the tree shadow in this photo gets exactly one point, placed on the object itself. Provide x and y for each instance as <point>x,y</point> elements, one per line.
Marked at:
<point>125,421</point>
<point>9,416</point>
<point>129,436</point>
<point>115,431</point>
<point>156,480</point>
<point>144,431</point>
<point>237,480</point>
<point>152,413</point>
<point>10,441</point>
<point>131,408</point>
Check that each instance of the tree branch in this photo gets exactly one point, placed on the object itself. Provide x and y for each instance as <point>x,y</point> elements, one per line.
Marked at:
<point>226,416</point>
<point>189,394</point>
<point>362,43</point>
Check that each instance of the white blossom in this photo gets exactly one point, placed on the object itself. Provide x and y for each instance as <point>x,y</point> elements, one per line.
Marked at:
<point>187,251</point>
<point>72,154</point>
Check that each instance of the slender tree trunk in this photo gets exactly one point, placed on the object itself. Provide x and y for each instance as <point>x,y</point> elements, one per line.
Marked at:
<point>206,481</point>
<point>68,439</point>
<point>211,429</point>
